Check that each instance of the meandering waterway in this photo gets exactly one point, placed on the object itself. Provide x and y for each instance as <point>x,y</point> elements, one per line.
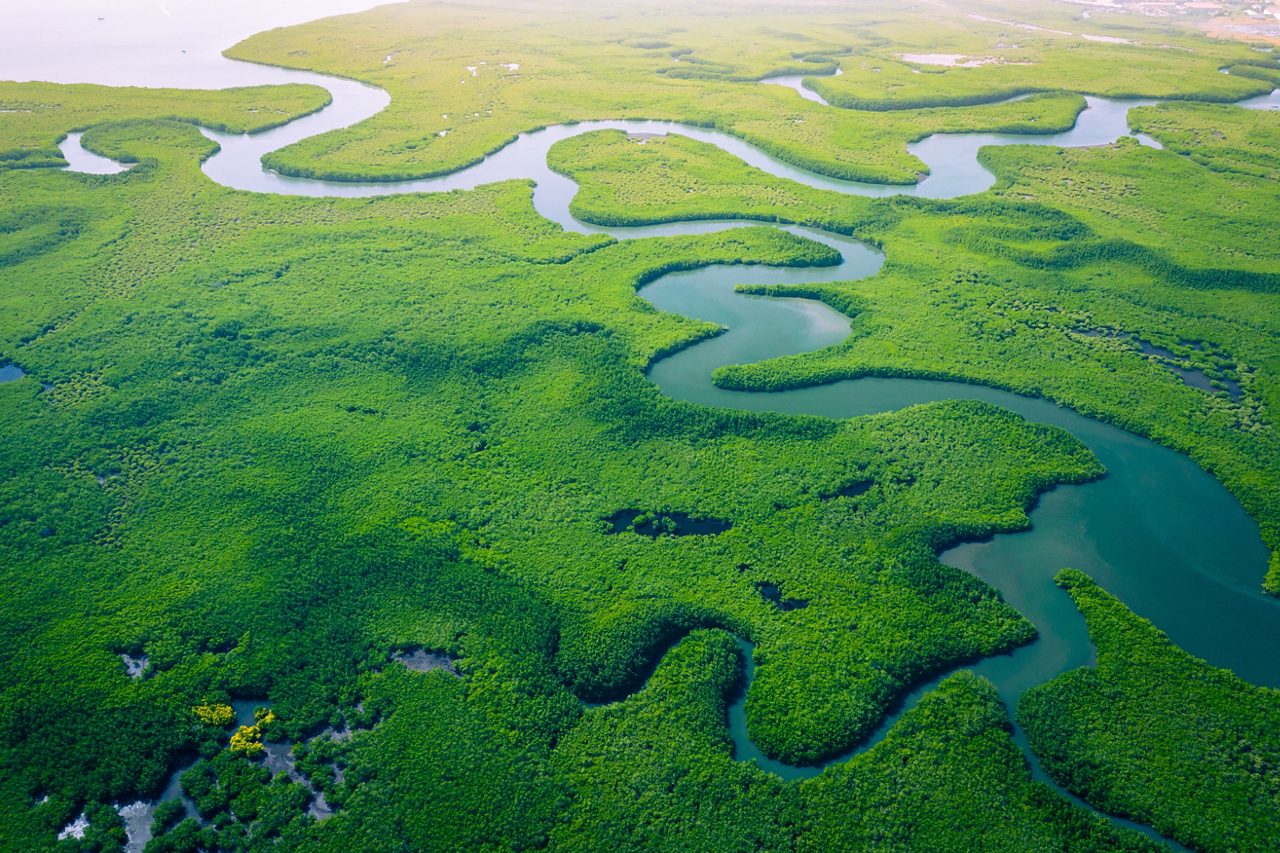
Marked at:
<point>1157,531</point>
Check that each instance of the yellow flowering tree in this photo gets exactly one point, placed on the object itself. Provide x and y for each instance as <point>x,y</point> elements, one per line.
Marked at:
<point>214,714</point>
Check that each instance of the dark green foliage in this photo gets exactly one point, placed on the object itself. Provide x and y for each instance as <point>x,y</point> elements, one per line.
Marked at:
<point>186,837</point>
<point>634,768</point>
<point>660,523</point>
<point>947,777</point>
<point>952,777</point>
<point>167,816</point>
<point>1160,736</point>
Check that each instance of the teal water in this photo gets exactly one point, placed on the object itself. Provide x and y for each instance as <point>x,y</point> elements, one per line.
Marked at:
<point>1157,531</point>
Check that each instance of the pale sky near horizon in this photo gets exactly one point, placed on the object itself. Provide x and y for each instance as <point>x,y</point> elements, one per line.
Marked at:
<point>146,42</point>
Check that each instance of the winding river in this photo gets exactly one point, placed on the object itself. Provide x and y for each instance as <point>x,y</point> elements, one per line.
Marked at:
<point>1157,531</point>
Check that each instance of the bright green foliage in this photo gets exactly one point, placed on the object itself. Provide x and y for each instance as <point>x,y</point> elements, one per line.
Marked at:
<point>331,428</point>
<point>1045,61</point>
<point>450,72</point>
<point>441,762</point>
<point>285,437</point>
<point>951,777</point>
<point>34,117</point>
<point>624,180</point>
<point>628,766</point>
<point>1218,137</point>
<point>1159,200</point>
<point>948,777</point>
<point>999,290</point>
<point>1266,71</point>
<point>1154,733</point>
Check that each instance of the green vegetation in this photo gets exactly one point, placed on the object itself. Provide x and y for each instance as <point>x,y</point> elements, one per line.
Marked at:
<point>947,777</point>
<point>245,804</point>
<point>1156,734</point>
<point>1041,61</point>
<point>268,442</point>
<point>1220,138</point>
<point>1159,200</point>
<point>34,117</point>
<point>1268,72</point>
<point>952,774</point>
<point>479,74</point>
<point>1010,290</point>
<point>625,181</point>
<point>331,428</point>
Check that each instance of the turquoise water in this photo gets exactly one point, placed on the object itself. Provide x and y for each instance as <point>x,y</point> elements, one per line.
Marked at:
<point>1157,531</point>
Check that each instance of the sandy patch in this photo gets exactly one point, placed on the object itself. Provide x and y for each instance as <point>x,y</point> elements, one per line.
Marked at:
<point>949,60</point>
<point>1019,25</point>
<point>421,660</point>
<point>1034,27</point>
<point>134,666</point>
<point>75,829</point>
<point>1243,29</point>
<point>955,60</point>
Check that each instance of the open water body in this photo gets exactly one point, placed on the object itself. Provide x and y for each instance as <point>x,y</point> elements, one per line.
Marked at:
<point>1157,531</point>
